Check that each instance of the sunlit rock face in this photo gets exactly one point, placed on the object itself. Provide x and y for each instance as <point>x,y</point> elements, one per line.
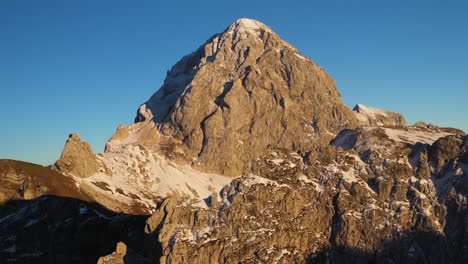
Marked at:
<point>382,200</point>
<point>77,158</point>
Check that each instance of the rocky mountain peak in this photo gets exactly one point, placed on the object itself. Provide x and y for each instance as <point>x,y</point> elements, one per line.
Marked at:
<point>232,52</point>
<point>242,92</point>
<point>77,158</point>
<point>370,116</point>
<point>247,25</point>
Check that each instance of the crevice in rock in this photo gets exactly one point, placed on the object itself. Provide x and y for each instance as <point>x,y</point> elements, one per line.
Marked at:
<point>203,129</point>
<point>219,101</point>
<point>336,221</point>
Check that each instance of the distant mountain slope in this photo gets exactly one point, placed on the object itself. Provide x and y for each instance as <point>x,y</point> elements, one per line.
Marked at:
<point>21,180</point>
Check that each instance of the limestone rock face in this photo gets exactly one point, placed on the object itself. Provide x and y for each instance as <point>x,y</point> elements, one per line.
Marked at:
<point>77,158</point>
<point>242,91</point>
<point>370,116</point>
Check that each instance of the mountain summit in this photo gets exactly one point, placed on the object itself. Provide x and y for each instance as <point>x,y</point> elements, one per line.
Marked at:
<point>247,24</point>
<point>242,92</point>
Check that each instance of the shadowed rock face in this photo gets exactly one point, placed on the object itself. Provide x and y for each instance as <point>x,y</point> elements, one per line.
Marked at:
<point>46,217</point>
<point>242,91</point>
<point>52,229</point>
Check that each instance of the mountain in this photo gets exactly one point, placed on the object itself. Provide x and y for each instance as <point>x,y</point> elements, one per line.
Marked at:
<point>241,95</point>
<point>241,92</point>
<point>370,116</point>
<point>247,154</point>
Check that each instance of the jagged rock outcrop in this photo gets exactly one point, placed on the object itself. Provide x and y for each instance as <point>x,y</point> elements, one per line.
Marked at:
<point>77,158</point>
<point>365,204</point>
<point>242,91</point>
<point>117,257</point>
<point>420,124</point>
<point>370,116</point>
<point>451,148</point>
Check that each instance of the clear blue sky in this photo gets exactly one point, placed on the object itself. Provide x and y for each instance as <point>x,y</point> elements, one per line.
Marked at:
<point>85,66</point>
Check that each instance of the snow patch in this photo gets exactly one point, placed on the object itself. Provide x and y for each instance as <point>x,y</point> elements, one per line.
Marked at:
<point>277,161</point>
<point>348,176</point>
<point>413,136</point>
<point>134,174</point>
<point>252,180</point>
<point>246,25</point>
<point>317,187</point>
<point>300,56</point>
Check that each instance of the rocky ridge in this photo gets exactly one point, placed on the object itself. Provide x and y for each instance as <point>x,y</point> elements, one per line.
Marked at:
<point>296,211</point>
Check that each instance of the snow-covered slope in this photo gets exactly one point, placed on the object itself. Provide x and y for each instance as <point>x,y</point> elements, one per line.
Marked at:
<point>135,175</point>
<point>414,135</point>
<point>132,176</point>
